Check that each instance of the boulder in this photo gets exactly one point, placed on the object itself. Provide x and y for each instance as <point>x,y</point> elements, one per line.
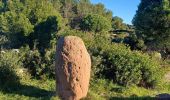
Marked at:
<point>73,67</point>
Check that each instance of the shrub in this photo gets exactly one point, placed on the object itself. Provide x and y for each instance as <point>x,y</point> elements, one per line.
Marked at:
<point>127,67</point>
<point>134,42</point>
<point>39,65</point>
<point>155,55</point>
<point>49,64</point>
<point>95,23</point>
<point>9,65</point>
<point>32,61</point>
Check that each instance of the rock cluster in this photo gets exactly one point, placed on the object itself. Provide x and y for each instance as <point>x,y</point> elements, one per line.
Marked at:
<point>73,67</point>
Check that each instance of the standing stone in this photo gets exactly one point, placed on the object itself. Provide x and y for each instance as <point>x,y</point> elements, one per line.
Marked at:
<point>73,67</point>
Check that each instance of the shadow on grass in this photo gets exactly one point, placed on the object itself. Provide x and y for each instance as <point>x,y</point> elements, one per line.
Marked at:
<point>132,98</point>
<point>163,96</point>
<point>30,91</point>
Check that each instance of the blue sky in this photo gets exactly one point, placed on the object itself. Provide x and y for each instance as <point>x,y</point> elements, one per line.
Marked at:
<point>125,9</point>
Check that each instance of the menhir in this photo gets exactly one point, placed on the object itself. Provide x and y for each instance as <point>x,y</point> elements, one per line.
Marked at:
<point>73,67</point>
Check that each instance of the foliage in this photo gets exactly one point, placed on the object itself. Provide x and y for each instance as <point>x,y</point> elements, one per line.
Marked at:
<point>134,43</point>
<point>15,27</point>
<point>74,10</point>
<point>84,7</point>
<point>9,66</point>
<point>126,67</point>
<point>3,40</point>
<point>100,9</point>
<point>21,22</point>
<point>95,23</point>
<point>152,22</point>
<point>39,66</point>
<point>117,23</point>
<point>45,32</point>
<point>32,62</point>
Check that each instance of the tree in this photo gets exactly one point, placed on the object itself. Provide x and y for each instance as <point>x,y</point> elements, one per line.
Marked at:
<point>117,23</point>
<point>15,27</point>
<point>83,8</point>
<point>45,32</point>
<point>66,9</point>
<point>152,22</point>
<point>101,10</point>
<point>96,23</point>
<point>57,4</point>
<point>21,18</point>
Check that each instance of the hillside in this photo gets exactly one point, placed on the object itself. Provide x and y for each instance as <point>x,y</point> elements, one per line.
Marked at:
<point>129,62</point>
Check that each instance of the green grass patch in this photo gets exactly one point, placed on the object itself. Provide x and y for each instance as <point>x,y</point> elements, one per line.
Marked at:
<point>101,89</point>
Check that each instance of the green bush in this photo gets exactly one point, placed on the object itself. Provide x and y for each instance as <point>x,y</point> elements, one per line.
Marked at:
<point>126,67</point>
<point>9,65</point>
<point>39,65</point>
<point>95,23</point>
<point>32,61</point>
<point>134,42</point>
<point>49,64</point>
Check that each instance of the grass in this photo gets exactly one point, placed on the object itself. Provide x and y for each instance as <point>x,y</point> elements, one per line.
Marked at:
<point>31,89</point>
<point>106,90</point>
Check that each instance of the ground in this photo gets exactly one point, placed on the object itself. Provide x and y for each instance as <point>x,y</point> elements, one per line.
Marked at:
<point>100,89</point>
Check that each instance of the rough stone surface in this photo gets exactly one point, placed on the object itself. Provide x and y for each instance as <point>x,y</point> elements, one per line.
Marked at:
<point>73,67</point>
